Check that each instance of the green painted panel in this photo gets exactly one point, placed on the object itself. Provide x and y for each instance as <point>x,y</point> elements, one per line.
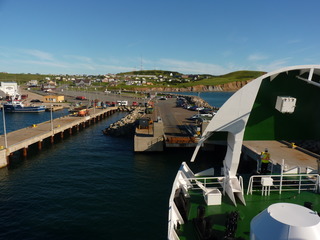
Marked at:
<point>267,123</point>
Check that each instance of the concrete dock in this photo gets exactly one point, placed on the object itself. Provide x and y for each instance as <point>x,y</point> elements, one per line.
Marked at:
<point>295,159</point>
<point>21,139</point>
<point>170,128</point>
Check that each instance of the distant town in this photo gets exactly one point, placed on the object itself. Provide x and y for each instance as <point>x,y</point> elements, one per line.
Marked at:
<point>129,80</point>
<point>112,80</point>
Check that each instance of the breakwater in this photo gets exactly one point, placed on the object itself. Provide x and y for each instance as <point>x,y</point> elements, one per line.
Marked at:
<point>197,101</point>
<point>126,125</point>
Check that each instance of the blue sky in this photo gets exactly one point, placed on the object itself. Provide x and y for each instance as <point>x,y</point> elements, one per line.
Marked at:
<point>188,36</point>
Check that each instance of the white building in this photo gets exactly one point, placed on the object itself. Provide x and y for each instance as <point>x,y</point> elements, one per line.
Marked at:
<point>32,83</point>
<point>9,88</point>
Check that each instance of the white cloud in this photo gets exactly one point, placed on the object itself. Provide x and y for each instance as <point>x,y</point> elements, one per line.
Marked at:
<point>44,63</point>
<point>292,41</point>
<point>114,69</point>
<point>191,67</point>
<point>257,57</point>
<point>38,54</point>
<point>79,58</point>
<point>274,65</point>
<point>32,60</point>
<point>227,53</point>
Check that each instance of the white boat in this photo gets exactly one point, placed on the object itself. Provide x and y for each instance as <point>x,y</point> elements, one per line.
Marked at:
<point>270,111</point>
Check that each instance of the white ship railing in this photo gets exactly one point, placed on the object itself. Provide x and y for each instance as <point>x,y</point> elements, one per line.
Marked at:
<point>279,183</point>
<point>208,182</point>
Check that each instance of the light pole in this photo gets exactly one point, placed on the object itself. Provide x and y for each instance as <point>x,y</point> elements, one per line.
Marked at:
<point>4,128</point>
<point>51,119</point>
<point>198,104</point>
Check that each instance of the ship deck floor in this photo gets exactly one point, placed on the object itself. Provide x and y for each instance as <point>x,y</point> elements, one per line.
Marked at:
<point>255,203</point>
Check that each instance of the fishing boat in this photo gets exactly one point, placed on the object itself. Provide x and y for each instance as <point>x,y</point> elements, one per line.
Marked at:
<point>18,107</point>
<point>279,111</point>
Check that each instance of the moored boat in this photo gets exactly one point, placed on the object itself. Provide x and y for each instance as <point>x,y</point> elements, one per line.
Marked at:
<point>18,107</point>
<point>239,202</point>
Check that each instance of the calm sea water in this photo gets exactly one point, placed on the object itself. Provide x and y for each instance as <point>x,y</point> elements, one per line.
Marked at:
<point>88,186</point>
<point>215,99</point>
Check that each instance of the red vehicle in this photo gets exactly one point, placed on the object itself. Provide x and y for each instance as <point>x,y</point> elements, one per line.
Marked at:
<point>80,98</point>
<point>135,104</point>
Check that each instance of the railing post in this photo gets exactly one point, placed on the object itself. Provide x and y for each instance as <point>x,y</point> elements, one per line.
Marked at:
<point>299,183</point>
<point>249,186</point>
<point>4,128</point>
<point>281,176</point>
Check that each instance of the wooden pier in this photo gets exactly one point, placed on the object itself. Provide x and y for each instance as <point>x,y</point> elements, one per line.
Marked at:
<point>20,140</point>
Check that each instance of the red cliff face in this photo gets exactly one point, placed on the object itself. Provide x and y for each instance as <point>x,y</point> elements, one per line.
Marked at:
<point>233,86</point>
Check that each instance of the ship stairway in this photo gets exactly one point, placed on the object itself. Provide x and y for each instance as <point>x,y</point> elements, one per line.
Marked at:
<point>234,188</point>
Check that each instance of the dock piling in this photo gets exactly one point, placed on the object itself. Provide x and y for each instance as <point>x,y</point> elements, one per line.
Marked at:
<point>45,131</point>
<point>40,145</point>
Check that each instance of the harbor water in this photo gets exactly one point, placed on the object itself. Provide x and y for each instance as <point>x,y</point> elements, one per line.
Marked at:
<point>88,186</point>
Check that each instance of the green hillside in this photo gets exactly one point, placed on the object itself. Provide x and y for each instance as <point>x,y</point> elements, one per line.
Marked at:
<point>21,77</point>
<point>169,78</point>
<point>199,79</point>
<point>151,72</point>
<point>231,77</point>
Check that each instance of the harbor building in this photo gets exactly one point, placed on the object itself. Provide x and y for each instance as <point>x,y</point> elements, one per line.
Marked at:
<point>8,88</point>
<point>54,98</point>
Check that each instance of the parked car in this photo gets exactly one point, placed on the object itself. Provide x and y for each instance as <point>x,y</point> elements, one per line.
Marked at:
<point>81,98</point>
<point>195,108</point>
<point>197,116</point>
<point>207,110</point>
<point>36,101</point>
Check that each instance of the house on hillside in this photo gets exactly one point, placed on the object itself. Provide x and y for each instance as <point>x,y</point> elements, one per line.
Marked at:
<point>53,83</point>
<point>32,83</point>
<point>82,82</point>
<point>48,87</point>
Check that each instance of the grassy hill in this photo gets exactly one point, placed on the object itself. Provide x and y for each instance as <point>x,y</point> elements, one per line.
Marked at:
<point>202,79</point>
<point>21,77</point>
<point>151,72</point>
<point>231,77</point>
<point>173,79</point>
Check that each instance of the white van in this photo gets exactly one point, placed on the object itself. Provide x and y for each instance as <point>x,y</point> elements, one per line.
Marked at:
<point>122,103</point>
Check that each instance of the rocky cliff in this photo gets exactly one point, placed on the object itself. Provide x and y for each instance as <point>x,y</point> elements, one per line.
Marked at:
<point>233,86</point>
